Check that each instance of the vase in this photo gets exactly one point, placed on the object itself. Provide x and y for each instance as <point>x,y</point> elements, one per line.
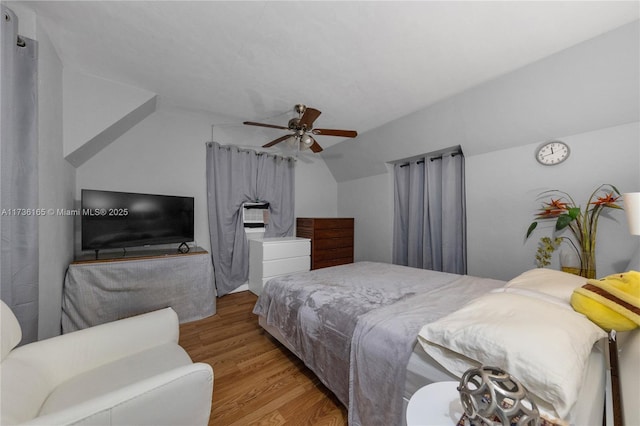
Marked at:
<point>584,265</point>
<point>570,262</point>
<point>588,264</point>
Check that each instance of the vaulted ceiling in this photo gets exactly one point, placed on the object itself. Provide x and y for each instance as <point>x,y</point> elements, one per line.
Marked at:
<point>362,63</point>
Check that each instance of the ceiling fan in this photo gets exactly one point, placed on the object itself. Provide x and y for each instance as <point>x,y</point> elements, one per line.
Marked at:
<point>301,127</point>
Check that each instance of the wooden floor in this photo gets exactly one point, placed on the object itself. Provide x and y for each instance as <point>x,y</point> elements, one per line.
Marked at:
<point>257,381</point>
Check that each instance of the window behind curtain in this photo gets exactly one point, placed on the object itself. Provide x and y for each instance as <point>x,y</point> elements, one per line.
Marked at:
<point>429,229</point>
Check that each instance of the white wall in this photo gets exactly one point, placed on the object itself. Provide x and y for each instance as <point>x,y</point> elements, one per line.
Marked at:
<point>92,105</point>
<point>316,189</point>
<point>502,189</point>
<point>370,202</point>
<point>165,154</point>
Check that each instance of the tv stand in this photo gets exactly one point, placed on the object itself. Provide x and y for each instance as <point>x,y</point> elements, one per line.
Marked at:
<point>109,256</point>
<point>121,285</point>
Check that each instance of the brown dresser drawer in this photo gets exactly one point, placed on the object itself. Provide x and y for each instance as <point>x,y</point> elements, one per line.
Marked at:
<point>334,253</point>
<point>331,240</point>
<point>329,243</point>
<point>324,223</point>
<point>332,262</point>
<point>333,233</point>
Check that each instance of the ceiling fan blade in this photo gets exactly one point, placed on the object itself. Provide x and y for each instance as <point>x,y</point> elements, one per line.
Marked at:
<point>275,141</point>
<point>335,132</point>
<point>309,116</point>
<point>273,126</point>
<point>315,146</point>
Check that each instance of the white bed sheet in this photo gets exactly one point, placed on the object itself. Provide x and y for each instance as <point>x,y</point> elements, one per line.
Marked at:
<point>422,370</point>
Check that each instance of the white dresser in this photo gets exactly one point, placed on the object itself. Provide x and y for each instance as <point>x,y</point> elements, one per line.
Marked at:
<point>271,257</point>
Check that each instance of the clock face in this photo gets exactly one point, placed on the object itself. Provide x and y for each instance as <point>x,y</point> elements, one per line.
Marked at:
<point>551,153</point>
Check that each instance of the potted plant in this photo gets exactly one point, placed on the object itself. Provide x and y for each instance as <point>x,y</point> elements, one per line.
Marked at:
<point>581,222</point>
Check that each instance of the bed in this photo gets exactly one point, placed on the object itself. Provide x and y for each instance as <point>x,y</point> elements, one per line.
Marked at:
<point>356,327</point>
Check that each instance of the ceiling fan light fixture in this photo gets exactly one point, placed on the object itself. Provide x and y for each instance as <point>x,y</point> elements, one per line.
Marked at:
<point>291,141</point>
<point>307,141</point>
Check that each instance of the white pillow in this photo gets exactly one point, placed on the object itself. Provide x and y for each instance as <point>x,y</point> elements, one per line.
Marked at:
<point>555,283</point>
<point>543,345</point>
<point>536,295</point>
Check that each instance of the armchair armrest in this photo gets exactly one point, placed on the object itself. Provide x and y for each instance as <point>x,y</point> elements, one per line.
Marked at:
<point>62,357</point>
<point>181,396</point>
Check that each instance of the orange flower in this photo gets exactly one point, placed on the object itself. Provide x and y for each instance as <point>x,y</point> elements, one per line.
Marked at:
<point>553,209</point>
<point>557,204</point>
<point>607,200</point>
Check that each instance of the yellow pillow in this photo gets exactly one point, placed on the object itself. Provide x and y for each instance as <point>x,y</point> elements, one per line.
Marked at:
<point>612,302</point>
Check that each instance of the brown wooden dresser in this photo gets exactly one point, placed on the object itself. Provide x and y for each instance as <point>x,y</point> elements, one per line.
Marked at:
<point>331,239</point>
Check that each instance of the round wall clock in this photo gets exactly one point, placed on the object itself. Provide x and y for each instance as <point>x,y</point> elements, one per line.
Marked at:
<point>552,153</point>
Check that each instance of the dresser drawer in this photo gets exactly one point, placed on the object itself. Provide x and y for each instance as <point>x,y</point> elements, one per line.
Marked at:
<point>260,273</point>
<point>324,223</point>
<point>329,243</point>
<point>271,257</point>
<point>272,268</point>
<point>333,233</point>
<point>333,253</point>
<point>279,250</point>
<point>331,240</point>
<point>332,262</point>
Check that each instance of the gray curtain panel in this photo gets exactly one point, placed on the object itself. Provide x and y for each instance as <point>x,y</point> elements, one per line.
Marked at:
<point>236,176</point>
<point>19,174</point>
<point>429,224</point>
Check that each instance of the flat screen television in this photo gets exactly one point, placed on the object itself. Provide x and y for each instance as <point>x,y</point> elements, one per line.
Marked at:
<point>122,219</point>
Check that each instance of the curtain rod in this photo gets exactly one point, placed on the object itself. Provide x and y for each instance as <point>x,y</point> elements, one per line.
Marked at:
<point>247,150</point>
<point>453,154</point>
<point>253,150</point>
<point>19,40</point>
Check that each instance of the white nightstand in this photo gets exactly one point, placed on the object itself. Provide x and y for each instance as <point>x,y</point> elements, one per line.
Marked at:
<point>437,404</point>
<point>271,257</point>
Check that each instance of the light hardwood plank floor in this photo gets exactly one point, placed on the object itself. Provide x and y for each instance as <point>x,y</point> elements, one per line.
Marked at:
<point>257,381</point>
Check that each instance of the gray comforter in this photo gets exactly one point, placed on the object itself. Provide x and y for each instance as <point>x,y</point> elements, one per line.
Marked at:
<point>355,326</point>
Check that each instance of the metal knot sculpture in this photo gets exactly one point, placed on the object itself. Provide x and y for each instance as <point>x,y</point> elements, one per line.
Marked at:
<point>490,396</point>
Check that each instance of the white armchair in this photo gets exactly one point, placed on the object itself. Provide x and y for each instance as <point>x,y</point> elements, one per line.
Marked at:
<point>127,372</point>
